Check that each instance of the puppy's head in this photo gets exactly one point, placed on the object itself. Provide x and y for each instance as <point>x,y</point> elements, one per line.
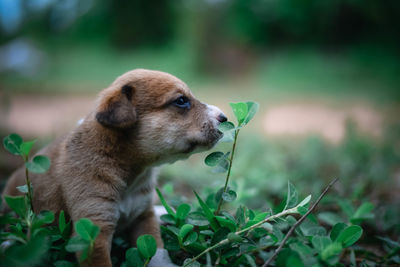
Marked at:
<point>165,120</point>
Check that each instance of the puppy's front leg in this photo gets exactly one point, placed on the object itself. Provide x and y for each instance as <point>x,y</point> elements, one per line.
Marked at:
<point>146,223</point>
<point>102,247</point>
<point>102,212</point>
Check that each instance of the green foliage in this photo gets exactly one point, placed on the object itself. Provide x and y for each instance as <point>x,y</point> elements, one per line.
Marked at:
<point>18,205</point>
<point>212,233</point>
<point>147,246</point>
<point>83,242</point>
<point>140,256</point>
<point>244,236</point>
<point>14,144</point>
<point>237,234</point>
<point>39,164</point>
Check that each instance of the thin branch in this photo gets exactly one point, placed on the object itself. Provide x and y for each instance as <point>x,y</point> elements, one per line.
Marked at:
<point>299,222</point>
<point>226,241</point>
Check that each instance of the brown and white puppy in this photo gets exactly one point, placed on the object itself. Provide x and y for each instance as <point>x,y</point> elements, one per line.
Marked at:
<point>103,170</point>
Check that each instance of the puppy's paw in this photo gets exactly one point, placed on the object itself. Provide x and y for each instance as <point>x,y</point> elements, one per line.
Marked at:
<point>161,259</point>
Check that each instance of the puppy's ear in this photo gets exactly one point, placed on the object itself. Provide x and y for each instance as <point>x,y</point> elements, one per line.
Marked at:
<point>116,110</point>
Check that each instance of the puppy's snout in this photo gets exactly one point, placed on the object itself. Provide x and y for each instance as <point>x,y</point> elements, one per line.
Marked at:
<point>216,114</point>
<point>222,118</point>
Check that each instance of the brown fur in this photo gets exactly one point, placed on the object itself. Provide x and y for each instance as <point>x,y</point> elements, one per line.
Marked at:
<point>104,166</point>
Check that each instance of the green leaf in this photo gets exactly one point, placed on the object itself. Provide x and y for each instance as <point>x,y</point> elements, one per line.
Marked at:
<point>363,212</point>
<point>232,237</point>
<point>23,188</point>
<point>294,261</point>
<point>226,223</point>
<point>321,242</point>
<point>30,254</point>
<point>241,215</point>
<point>191,264</point>
<point>292,196</point>
<point>39,164</point>
<point>214,158</point>
<point>167,219</point>
<point>336,230</point>
<point>219,235</point>
<point>261,216</point>
<point>86,229</point>
<point>165,204</point>
<point>190,238</point>
<point>207,212</point>
<point>44,217</point>
<point>350,235</point>
<point>26,147</point>
<point>170,238</point>
<point>63,263</point>
<point>226,126</point>
<point>185,229</point>
<point>240,110</point>
<point>17,204</point>
<point>346,206</point>
<point>12,143</point>
<point>329,218</point>
<point>229,196</point>
<point>61,222</point>
<point>250,260</point>
<point>197,218</point>
<point>147,246</point>
<point>252,108</point>
<point>302,210</point>
<point>182,211</point>
<point>277,233</point>
<point>302,249</point>
<point>282,260</point>
<point>331,250</point>
<point>76,243</point>
<point>311,229</point>
<point>133,258</point>
<point>222,166</point>
<point>228,129</point>
<point>305,201</point>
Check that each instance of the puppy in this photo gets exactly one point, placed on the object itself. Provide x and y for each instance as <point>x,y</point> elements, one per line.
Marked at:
<point>103,170</point>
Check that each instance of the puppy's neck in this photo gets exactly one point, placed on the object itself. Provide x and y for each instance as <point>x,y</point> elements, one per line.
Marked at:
<point>116,147</point>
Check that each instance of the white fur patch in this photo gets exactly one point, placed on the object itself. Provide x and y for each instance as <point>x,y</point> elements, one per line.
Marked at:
<point>134,202</point>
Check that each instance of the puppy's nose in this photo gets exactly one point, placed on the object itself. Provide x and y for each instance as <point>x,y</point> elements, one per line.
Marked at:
<point>222,118</point>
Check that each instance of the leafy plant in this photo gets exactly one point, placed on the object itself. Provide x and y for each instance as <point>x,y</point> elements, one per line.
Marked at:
<point>215,229</point>
<point>39,164</point>
<point>209,235</point>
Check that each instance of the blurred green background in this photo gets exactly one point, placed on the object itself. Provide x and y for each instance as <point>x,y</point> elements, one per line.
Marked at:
<point>326,74</point>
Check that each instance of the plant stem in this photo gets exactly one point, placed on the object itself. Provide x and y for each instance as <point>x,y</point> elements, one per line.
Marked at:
<point>28,184</point>
<point>299,222</point>
<point>226,241</point>
<point>146,262</point>
<point>229,169</point>
<point>283,213</point>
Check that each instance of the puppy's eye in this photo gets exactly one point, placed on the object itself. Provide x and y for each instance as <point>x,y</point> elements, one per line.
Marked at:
<point>182,102</point>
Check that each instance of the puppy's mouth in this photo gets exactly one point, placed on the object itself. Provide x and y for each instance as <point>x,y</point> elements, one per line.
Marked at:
<point>210,140</point>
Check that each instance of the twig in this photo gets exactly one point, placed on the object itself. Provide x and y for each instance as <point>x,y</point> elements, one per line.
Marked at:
<point>226,241</point>
<point>299,222</point>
